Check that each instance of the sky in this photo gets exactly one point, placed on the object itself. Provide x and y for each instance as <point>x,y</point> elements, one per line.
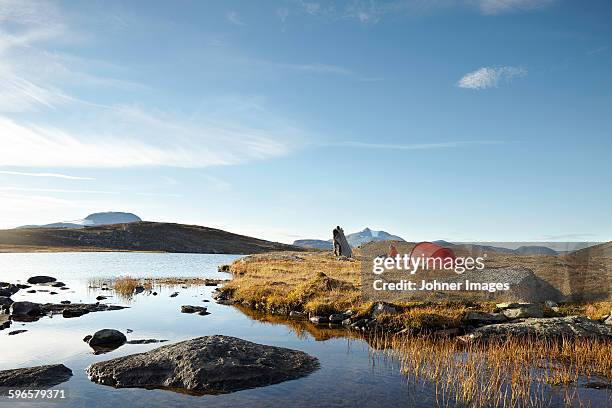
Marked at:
<point>474,120</point>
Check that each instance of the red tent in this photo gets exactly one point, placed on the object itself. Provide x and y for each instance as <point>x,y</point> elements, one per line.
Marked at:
<point>434,253</point>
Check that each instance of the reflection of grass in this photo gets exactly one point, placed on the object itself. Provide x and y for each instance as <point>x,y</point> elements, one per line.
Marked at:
<point>509,372</point>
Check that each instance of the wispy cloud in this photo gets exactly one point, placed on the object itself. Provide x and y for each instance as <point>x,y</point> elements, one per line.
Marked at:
<point>233,18</point>
<point>52,175</point>
<point>490,77</point>
<point>496,7</point>
<point>373,11</point>
<point>415,146</point>
<point>73,132</point>
<point>56,190</point>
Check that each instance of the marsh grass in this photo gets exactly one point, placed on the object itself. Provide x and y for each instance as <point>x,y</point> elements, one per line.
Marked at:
<point>511,372</point>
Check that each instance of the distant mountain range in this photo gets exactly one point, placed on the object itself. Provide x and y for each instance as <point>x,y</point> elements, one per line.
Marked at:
<point>355,239</point>
<point>92,220</point>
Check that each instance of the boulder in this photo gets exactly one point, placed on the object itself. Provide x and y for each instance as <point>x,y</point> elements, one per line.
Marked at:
<point>25,309</point>
<point>36,280</point>
<point>106,340</point>
<point>319,319</point>
<point>205,365</point>
<point>507,305</point>
<point>608,321</point>
<point>525,311</point>
<point>35,377</point>
<point>5,303</point>
<point>8,289</point>
<point>548,328</point>
<point>337,318</point>
<point>484,318</point>
<point>296,314</point>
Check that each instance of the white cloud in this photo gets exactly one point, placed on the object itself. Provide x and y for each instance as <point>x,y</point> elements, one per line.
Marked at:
<point>495,7</point>
<point>52,175</point>
<point>233,18</point>
<point>490,77</point>
<point>137,139</point>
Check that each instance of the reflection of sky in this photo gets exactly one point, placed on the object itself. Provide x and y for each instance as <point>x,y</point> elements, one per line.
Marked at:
<point>348,375</point>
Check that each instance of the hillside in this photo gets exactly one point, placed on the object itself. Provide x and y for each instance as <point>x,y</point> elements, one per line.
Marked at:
<point>92,220</point>
<point>136,236</point>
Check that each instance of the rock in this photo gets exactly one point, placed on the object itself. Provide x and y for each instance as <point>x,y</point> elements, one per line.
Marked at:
<point>296,314</point>
<point>446,332</point>
<point>146,341</point>
<point>223,268</point>
<point>608,321</point>
<point>507,305</point>
<point>337,318</point>
<point>5,303</point>
<point>106,340</point>
<point>383,308</point>
<point>5,324</point>
<point>64,288</point>
<point>347,322</point>
<point>484,318</point>
<point>35,377</point>
<point>35,280</point>
<point>129,330</point>
<point>175,294</point>
<point>205,365</point>
<point>69,313</point>
<point>319,319</point>
<point>101,298</point>
<point>138,289</point>
<point>154,293</point>
<point>58,284</point>
<point>53,293</point>
<point>8,289</point>
<point>31,291</point>
<point>192,309</point>
<point>26,309</point>
<point>549,328</point>
<point>22,286</point>
<point>16,332</point>
<point>65,302</point>
<point>552,304</point>
<point>524,312</point>
<point>87,338</point>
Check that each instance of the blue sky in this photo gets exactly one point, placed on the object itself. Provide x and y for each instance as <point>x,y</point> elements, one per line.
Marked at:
<point>458,120</point>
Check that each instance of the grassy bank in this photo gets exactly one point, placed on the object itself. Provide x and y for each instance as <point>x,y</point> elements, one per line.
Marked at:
<point>317,283</point>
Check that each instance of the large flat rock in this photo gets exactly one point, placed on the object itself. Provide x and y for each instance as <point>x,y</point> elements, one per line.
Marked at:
<point>205,365</point>
<point>31,377</point>
<point>548,328</point>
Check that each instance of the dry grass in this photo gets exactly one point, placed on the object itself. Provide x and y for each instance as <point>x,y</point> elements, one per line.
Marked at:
<point>320,284</point>
<point>511,372</point>
<point>125,286</point>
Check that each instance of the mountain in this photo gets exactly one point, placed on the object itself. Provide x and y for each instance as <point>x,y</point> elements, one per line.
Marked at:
<point>367,235</point>
<point>355,239</point>
<point>313,243</point>
<point>535,250</point>
<point>95,219</point>
<point>136,236</point>
<point>481,249</point>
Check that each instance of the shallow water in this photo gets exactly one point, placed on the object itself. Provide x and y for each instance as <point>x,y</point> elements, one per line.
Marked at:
<point>348,376</point>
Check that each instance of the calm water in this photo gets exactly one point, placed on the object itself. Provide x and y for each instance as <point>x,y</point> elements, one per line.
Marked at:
<point>348,377</point>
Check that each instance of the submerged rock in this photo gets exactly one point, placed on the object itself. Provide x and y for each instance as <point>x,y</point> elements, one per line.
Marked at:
<point>193,309</point>
<point>12,333</point>
<point>549,328</point>
<point>41,376</point>
<point>35,280</point>
<point>146,341</point>
<point>205,365</point>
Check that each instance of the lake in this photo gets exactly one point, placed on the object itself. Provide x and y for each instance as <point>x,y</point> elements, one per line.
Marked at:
<point>349,375</point>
